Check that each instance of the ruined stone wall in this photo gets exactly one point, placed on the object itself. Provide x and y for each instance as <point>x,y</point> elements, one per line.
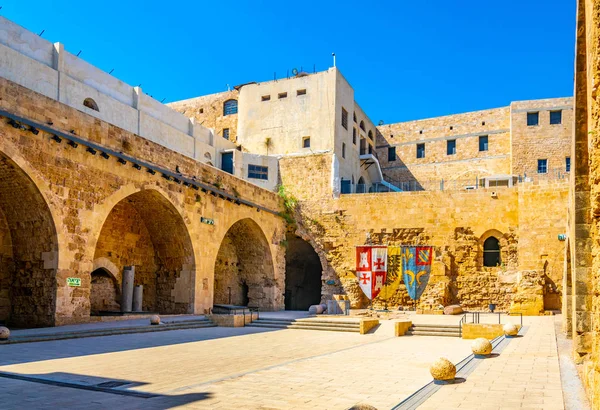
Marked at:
<point>105,292</point>
<point>79,190</point>
<point>208,111</point>
<point>543,141</point>
<point>467,163</point>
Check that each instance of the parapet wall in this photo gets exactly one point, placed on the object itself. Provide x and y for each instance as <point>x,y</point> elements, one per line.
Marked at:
<point>35,63</point>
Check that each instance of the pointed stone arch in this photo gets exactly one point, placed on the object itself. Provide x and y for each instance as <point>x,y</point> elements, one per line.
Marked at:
<point>303,274</point>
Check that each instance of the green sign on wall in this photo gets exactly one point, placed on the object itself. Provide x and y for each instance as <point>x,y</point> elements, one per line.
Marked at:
<point>74,281</point>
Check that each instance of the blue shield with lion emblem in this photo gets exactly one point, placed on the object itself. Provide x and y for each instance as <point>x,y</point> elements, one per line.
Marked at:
<point>416,269</point>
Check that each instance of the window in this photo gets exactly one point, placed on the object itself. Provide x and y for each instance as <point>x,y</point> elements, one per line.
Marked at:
<point>362,125</point>
<point>420,150</point>
<point>258,172</point>
<point>392,154</point>
<point>282,95</point>
<point>265,98</point>
<point>230,107</point>
<point>306,142</point>
<point>226,133</point>
<point>354,115</point>
<point>201,110</point>
<point>555,117</point>
<point>344,118</point>
<point>421,132</point>
<point>91,104</point>
<point>370,149</point>
<point>483,143</point>
<point>451,147</point>
<point>343,150</point>
<point>568,164</point>
<point>371,135</point>
<point>542,166</point>
<point>491,252</point>
<point>533,118</point>
<point>354,135</point>
<point>301,92</point>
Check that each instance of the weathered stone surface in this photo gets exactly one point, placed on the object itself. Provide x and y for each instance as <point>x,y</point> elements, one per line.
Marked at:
<point>453,310</point>
<point>510,329</point>
<point>442,369</point>
<point>481,346</point>
<point>155,320</point>
<point>4,333</point>
<point>317,309</point>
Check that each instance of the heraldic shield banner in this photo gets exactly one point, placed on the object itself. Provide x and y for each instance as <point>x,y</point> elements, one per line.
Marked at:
<point>371,268</point>
<point>416,267</point>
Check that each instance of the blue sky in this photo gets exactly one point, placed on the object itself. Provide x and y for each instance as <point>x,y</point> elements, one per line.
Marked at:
<point>405,59</point>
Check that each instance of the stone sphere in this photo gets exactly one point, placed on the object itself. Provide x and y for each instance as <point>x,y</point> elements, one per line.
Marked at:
<point>155,320</point>
<point>510,329</point>
<point>4,333</point>
<point>442,369</point>
<point>481,347</point>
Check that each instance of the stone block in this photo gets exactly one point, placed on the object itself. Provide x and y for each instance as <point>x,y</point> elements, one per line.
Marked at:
<point>453,310</point>
<point>400,328</point>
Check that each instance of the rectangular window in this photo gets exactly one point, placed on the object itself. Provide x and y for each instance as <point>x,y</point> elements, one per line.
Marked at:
<point>568,164</point>
<point>555,117</point>
<point>392,154</point>
<point>265,98</point>
<point>354,136</point>
<point>483,143</point>
<point>343,150</point>
<point>344,118</point>
<point>370,149</point>
<point>420,150</point>
<point>533,119</point>
<point>542,166</point>
<point>301,92</point>
<point>306,142</point>
<point>226,133</point>
<point>258,172</point>
<point>282,95</point>
<point>451,147</point>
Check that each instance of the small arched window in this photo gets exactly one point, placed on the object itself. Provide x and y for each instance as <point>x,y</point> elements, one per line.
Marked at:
<point>491,252</point>
<point>362,125</point>
<point>230,107</point>
<point>370,135</point>
<point>91,104</point>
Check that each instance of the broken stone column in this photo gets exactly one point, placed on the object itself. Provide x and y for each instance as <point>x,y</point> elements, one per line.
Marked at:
<point>127,288</point>
<point>138,293</point>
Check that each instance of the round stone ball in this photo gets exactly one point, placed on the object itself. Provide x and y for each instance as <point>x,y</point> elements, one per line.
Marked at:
<point>481,347</point>
<point>4,333</point>
<point>442,369</point>
<point>155,320</point>
<point>510,329</point>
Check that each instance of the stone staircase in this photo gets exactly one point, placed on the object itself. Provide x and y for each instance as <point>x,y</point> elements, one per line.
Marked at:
<point>56,334</point>
<point>332,325</point>
<point>434,330</point>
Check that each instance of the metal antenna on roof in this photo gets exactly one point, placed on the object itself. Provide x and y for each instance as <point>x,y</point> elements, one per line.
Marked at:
<point>333,55</point>
<point>42,32</point>
<point>78,53</point>
<point>314,68</point>
<point>163,100</point>
<point>110,72</point>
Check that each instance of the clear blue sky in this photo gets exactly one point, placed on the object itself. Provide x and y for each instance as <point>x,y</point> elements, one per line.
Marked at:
<point>405,59</point>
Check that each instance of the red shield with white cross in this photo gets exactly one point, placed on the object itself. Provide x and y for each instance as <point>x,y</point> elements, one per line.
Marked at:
<point>371,268</point>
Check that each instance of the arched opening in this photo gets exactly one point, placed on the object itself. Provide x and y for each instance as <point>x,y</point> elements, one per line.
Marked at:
<point>91,104</point>
<point>244,273</point>
<point>105,294</point>
<point>491,252</point>
<point>28,251</point>
<point>145,230</point>
<point>230,107</point>
<point>303,272</point>
<point>361,188</point>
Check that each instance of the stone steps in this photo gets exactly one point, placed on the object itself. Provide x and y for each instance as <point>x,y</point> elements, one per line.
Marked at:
<point>325,325</point>
<point>182,325</point>
<point>434,330</point>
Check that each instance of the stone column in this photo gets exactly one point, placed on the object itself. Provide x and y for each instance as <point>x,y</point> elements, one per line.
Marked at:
<point>127,288</point>
<point>138,293</point>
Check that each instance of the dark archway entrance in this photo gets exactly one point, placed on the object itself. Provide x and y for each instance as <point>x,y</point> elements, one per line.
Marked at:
<point>491,252</point>
<point>244,273</point>
<point>28,251</point>
<point>105,293</point>
<point>145,230</point>
<point>303,272</point>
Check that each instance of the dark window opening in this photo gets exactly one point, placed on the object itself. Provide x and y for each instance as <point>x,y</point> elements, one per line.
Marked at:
<point>258,172</point>
<point>226,133</point>
<point>301,92</point>
<point>265,98</point>
<point>201,110</point>
<point>451,147</point>
<point>421,132</point>
<point>555,117</point>
<point>344,118</point>
<point>362,125</point>
<point>491,252</point>
<point>568,164</point>
<point>230,107</point>
<point>482,122</point>
<point>343,150</point>
<point>533,119</point>
<point>282,95</point>
<point>370,135</point>
<point>420,150</point>
<point>354,115</point>
<point>354,136</point>
<point>306,142</point>
<point>542,166</point>
<point>483,143</point>
<point>392,154</point>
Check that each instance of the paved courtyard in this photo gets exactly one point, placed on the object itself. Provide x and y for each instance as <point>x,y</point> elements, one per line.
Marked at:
<point>250,368</point>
